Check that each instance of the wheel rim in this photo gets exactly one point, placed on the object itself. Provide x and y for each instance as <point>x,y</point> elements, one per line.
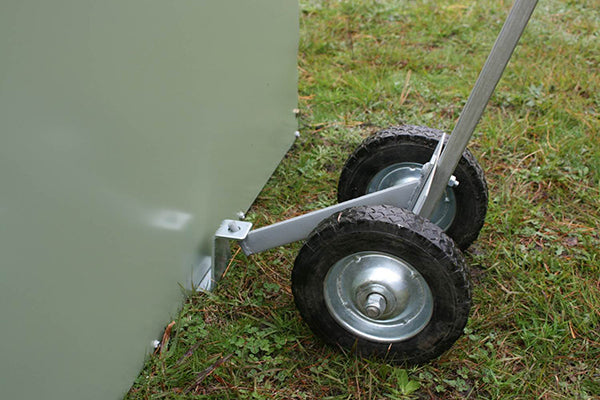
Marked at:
<point>378,297</point>
<point>406,172</point>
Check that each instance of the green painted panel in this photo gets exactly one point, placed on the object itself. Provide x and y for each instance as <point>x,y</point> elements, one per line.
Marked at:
<point>128,130</point>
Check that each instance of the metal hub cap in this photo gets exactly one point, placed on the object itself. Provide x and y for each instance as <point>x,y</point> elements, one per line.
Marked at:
<point>410,172</point>
<point>378,297</point>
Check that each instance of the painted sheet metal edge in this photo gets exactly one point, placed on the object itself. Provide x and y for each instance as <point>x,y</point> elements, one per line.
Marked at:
<point>128,131</point>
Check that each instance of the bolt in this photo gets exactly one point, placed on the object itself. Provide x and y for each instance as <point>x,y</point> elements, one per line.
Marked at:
<point>375,305</point>
<point>297,134</point>
<point>240,215</point>
<point>425,169</point>
<point>233,227</point>
<point>453,182</point>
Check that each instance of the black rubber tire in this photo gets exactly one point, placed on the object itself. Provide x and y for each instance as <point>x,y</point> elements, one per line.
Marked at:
<point>416,144</point>
<point>400,233</point>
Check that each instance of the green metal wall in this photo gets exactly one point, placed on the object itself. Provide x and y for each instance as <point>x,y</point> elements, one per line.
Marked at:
<point>128,130</point>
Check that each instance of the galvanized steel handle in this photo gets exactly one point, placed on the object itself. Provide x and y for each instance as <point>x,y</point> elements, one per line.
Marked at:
<point>478,99</point>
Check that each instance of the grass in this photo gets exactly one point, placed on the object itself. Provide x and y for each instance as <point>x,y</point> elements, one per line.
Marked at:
<point>534,330</point>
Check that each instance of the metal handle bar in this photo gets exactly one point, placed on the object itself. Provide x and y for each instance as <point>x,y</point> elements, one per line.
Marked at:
<point>478,99</point>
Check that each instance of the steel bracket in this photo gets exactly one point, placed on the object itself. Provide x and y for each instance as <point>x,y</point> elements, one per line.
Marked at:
<point>221,251</point>
<point>427,174</point>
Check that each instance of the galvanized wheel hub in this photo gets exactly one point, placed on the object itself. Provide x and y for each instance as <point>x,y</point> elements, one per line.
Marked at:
<point>378,296</point>
<point>405,172</point>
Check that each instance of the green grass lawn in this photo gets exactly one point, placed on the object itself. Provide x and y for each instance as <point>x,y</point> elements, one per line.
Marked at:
<point>534,330</point>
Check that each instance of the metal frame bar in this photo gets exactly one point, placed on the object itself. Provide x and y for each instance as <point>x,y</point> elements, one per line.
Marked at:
<point>298,228</point>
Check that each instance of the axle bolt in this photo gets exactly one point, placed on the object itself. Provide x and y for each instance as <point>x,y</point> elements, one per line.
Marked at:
<point>375,305</point>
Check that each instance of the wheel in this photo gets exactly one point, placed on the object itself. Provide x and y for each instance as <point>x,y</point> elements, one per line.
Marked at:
<point>382,281</point>
<point>397,155</point>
